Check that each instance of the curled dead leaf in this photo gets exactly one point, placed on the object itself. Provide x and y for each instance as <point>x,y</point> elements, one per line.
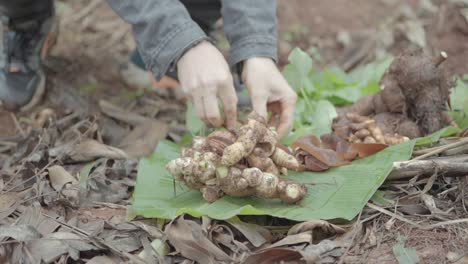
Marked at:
<point>367,149</point>
<point>257,235</point>
<point>275,255</point>
<point>319,229</point>
<point>90,149</point>
<point>64,182</point>
<point>42,117</point>
<point>320,154</point>
<point>59,177</point>
<point>188,238</point>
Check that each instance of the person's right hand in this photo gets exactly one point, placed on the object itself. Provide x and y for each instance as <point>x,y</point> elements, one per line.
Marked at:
<point>204,76</point>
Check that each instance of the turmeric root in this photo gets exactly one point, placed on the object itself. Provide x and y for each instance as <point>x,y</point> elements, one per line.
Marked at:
<point>252,181</point>
<point>249,135</point>
<point>364,129</point>
<point>259,159</point>
<point>255,131</point>
<point>412,101</point>
<point>283,159</point>
<point>248,164</point>
<point>194,171</point>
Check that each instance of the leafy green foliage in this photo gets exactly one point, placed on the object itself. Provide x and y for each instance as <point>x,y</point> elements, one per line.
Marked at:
<point>434,137</point>
<point>194,124</point>
<point>337,193</point>
<point>320,90</point>
<point>405,255</point>
<point>459,102</point>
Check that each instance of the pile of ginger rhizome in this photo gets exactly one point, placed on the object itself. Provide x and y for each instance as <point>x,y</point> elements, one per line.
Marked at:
<point>241,164</point>
<point>251,162</point>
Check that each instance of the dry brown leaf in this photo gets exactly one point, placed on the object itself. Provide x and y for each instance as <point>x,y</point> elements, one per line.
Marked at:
<point>319,155</point>
<point>32,215</point>
<point>322,152</point>
<point>8,204</point>
<point>330,151</point>
<point>42,117</point>
<point>19,232</point>
<point>8,128</point>
<point>101,260</point>
<point>143,139</point>
<point>257,235</point>
<point>59,177</point>
<point>64,182</point>
<point>313,164</point>
<point>274,255</point>
<point>295,239</point>
<point>187,237</point>
<point>367,149</point>
<point>319,229</point>
<point>52,246</point>
<point>90,149</point>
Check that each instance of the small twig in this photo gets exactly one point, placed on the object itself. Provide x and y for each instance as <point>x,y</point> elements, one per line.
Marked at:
<point>17,125</point>
<point>440,58</point>
<point>423,227</point>
<point>97,240</point>
<point>446,191</point>
<point>443,148</point>
<point>393,215</point>
<point>358,222</point>
<point>30,178</point>
<point>39,196</point>
<point>409,169</point>
<point>111,205</point>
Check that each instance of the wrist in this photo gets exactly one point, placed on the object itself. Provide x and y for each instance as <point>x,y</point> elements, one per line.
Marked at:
<point>196,45</point>
<point>255,64</point>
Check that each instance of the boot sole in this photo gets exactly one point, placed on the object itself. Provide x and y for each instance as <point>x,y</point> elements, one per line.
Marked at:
<point>47,45</point>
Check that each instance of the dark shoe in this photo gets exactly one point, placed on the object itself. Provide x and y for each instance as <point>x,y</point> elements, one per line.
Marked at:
<point>22,76</point>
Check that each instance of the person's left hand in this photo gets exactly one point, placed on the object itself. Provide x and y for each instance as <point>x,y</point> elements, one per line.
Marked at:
<point>269,91</point>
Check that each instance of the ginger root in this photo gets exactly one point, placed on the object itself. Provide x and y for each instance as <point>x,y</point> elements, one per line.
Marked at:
<point>250,134</point>
<point>363,129</point>
<point>412,102</point>
<point>252,181</point>
<point>248,164</point>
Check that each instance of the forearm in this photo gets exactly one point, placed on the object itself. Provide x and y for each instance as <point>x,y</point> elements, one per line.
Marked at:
<point>251,28</point>
<point>163,30</point>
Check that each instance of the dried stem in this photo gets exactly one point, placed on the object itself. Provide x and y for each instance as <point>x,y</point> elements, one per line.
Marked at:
<point>440,58</point>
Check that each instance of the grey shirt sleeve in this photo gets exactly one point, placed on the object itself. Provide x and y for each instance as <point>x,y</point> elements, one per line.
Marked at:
<point>251,28</point>
<point>163,30</point>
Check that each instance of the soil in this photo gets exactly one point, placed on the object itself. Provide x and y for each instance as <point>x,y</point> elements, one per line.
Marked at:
<point>94,42</point>
<point>318,24</point>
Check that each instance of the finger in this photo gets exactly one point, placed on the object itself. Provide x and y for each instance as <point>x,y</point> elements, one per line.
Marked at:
<point>229,98</point>
<point>286,116</point>
<point>275,109</point>
<point>210,104</point>
<point>259,105</point>
<point>198,104</point>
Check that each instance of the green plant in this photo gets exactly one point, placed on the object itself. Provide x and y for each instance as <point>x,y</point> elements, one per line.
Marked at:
<point>320,91</point>
<point>459,102</point>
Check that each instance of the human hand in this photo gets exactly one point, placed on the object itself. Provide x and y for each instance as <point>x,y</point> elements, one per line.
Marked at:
<point>204,76</point>
<point>269,91</point>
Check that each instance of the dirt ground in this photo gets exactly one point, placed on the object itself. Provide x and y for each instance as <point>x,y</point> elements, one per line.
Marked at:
<point>94,43</point>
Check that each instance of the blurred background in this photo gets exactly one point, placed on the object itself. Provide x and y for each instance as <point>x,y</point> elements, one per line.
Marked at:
<point>94,41</point>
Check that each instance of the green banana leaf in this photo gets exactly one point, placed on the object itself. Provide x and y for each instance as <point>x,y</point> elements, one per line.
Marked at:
<point>338,193</point>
